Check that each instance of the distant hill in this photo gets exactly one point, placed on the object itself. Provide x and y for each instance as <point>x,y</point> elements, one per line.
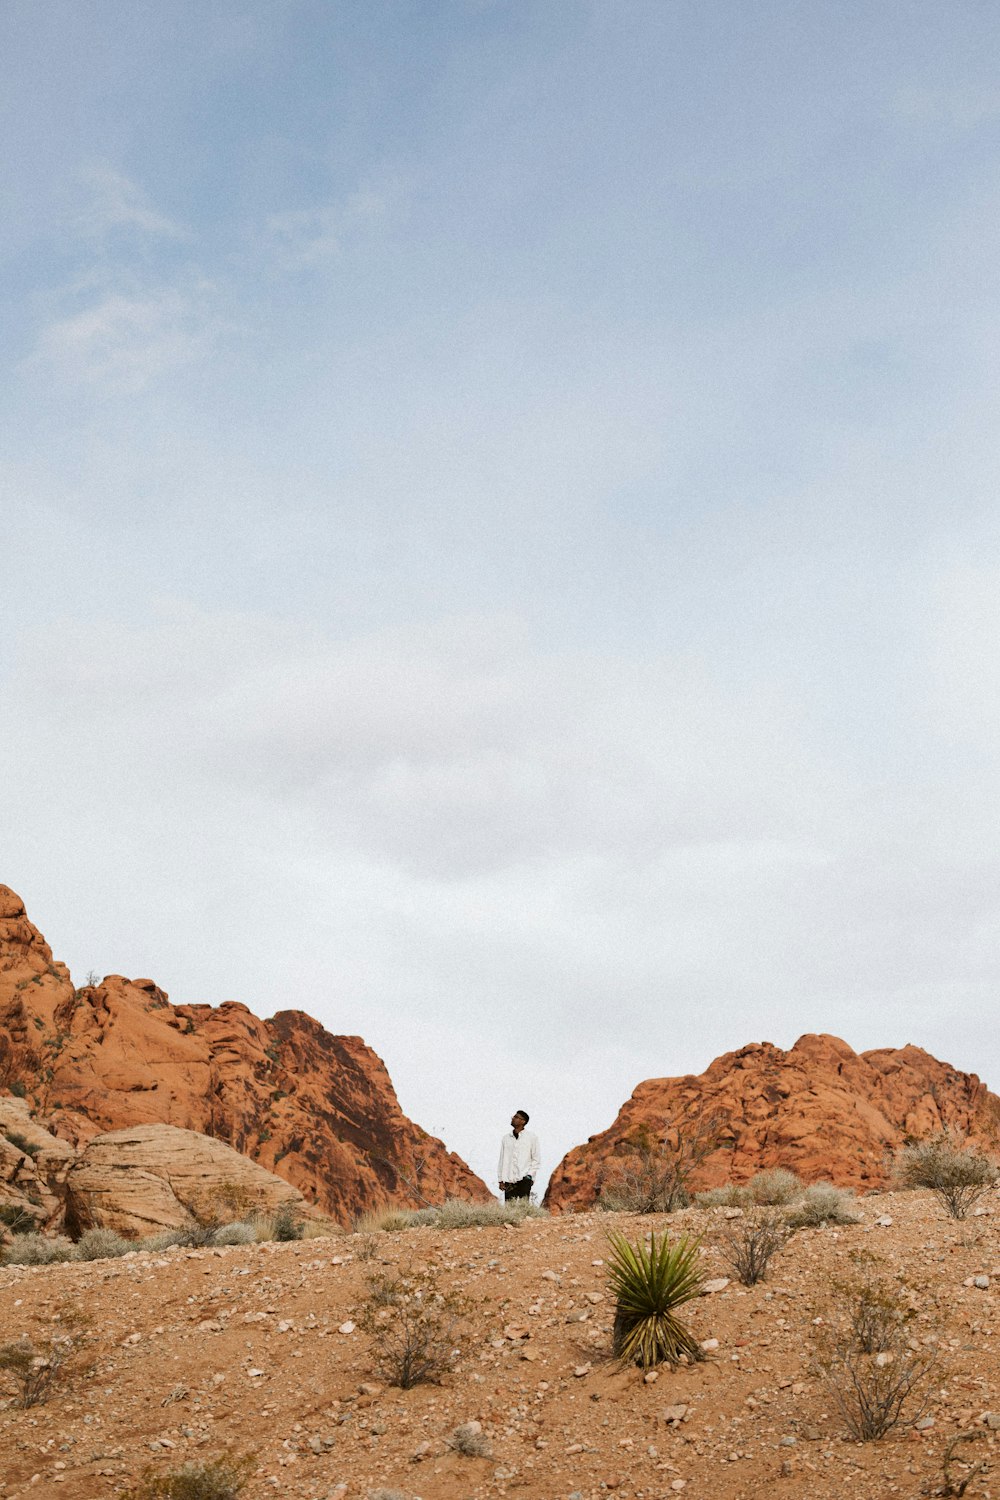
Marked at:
<point>820,1109</point>
<point>317,1109</point>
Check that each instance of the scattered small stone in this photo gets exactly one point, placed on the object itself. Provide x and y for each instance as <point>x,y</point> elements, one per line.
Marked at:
<point>982,1282</point>
<point>924,1424</point>
<point>347,1327</point>
<point>884,1220</point>
<point>581,1370</point>
<point>991,1419</point>
<point>713,1285</point>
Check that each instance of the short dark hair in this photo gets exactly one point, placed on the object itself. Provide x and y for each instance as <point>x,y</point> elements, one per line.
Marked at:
<point>524,1115</point>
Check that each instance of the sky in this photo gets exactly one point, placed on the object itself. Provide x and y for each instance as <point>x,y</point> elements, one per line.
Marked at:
<point>500,538</point>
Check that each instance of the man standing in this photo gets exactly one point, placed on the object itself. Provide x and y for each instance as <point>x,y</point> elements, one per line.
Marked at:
<point>519,1159</point>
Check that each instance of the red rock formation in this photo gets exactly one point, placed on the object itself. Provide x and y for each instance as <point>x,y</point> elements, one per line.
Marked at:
<point>319,1110</point>
<point>821,1110</point>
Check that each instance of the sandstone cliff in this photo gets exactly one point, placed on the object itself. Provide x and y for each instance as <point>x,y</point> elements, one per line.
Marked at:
<point>820,1109</point>
<point>319,1110</point>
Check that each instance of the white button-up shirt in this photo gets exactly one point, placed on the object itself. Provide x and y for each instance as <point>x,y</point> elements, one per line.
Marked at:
<point>519,1157</point>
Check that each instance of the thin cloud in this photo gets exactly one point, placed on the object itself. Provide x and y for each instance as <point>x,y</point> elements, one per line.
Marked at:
<point>116,202</point>
<point>123,342</point>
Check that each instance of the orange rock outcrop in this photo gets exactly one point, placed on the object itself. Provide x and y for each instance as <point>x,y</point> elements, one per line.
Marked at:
<point>317,1109</point>
<point>819,1109</point>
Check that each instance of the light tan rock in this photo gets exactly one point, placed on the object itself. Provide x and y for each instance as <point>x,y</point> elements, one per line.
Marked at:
<point>155,1177</point>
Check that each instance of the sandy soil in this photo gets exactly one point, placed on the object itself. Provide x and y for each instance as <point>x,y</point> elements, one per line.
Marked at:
<point>195,1353</point>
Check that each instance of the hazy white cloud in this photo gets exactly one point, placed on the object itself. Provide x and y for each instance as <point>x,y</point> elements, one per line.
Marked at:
<point>307,238</point>
<point>123,341</point>
<point>115,202</point>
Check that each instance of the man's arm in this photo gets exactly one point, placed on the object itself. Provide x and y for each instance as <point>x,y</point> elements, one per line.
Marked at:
<point>534,1158</point>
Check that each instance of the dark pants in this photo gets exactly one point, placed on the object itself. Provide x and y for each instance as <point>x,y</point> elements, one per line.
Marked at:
<point>520,1189</point>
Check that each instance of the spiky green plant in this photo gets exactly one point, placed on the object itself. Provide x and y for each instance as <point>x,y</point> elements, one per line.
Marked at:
<point>649,1283</point>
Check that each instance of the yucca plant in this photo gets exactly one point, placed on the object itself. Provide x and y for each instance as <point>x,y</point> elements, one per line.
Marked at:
<point>649,1283</point>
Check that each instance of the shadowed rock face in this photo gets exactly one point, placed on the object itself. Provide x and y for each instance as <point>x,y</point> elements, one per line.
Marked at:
<point>317,1109</point>
<point>820,1109</point>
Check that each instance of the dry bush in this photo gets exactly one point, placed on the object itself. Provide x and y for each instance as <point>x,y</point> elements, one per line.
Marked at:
<point>729,1196</point>
<point>415,1326</point>
<point>237,1233</point>
<point>652,1174</point>
<point>470,1440</point>
<point>750,1243</point>
<point>221,1479</point>
<point>874,1310</point>
<point>864,1358</point>
<point>18,1220</point>
<point>102,1244</point>
<point>774,1186</point>
<point>822,1203</point>
<point>36,1369</point>
<point>37,1250</point>
<point>382,1221</point>
<point>958,1470</point>
<point>957,1172</point>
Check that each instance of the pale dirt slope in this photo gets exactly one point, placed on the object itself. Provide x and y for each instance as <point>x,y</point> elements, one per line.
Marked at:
<point>177,1337</point>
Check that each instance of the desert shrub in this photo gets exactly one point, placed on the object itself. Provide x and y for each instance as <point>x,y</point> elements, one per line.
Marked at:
<point>822,1203</point>
<point>729,1196</point>
<point>649,1284</point>
<point>864,1357</point>
<point>774,1186</point>
<point>101,1244</point>
<point>958,1470</point>
<point>221,1479</point>
<point>456,1213</point>
<point>652,1173</point>
<point>37,1250</point>
<point>286,1222</point>
<point>955,1171</point>
<point>18,1220</point>
<point>21,1143</point>
<point>165,1240</point>
<point>383,1494</point>
<point>35,1369</point>
<point>469,1440</point>
<point>237,1233</point>
<point>415,1326</point>
<point>750,1243</point>
<point>382,1221</point>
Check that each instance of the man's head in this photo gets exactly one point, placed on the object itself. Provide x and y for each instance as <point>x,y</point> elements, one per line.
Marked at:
<point>518,1120</point>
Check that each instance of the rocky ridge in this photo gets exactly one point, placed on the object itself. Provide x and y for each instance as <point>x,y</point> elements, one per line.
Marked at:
<point>819,1109</point>
<point>316,1109</point>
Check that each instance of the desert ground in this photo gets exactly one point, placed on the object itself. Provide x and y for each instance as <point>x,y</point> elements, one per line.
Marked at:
<point>257,1349</point>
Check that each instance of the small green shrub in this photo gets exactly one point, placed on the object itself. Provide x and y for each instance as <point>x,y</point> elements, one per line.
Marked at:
<point>37,1250</point>
<point>286,1223</point>
<point>957,1172</point>
<point>749,1244</point>
<point>21,1143</point>
<point>102,1244</point>
<point>774,1187</point>
<point>864,1357</point>
<point>416,1328</point>
<point>649,1284</point>
<point>221,1479</point>
<point>166,1239</point>
<point>822,1203</point>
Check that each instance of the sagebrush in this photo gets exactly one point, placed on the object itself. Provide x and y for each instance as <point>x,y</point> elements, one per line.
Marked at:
<point>956,1171</point>
<point>219,1479</point>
